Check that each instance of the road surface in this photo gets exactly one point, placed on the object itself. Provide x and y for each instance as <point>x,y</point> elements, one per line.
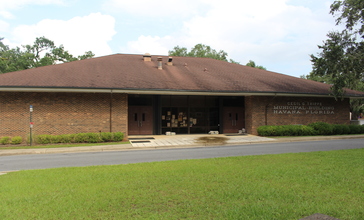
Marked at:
<point>44,161</point>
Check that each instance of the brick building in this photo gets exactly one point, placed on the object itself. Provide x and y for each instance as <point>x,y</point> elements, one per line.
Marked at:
<point>139,94</point>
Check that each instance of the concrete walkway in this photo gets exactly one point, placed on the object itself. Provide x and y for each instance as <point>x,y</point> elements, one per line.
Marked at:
<point>173,141</point>
<point>193,140</point>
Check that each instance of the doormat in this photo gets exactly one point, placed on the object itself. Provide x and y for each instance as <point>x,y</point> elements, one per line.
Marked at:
<point>139,142</point>
<point>142,138</point>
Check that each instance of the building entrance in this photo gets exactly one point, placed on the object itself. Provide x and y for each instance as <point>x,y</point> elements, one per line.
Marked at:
<point>190,114</point>
<point>150,114</point>
<point>140,120</point>
<point>234,119</point>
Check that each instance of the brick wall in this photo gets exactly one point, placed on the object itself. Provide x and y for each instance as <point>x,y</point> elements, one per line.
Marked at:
<point>62,113</point>
<point>263,110</point>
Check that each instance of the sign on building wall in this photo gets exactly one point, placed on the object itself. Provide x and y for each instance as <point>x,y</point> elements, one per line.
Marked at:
<point>304,108</point>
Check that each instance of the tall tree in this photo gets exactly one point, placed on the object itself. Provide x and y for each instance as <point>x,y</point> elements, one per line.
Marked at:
<point>251,63</point>
<point>341,58</point>
<point>340,62</point>
<point>42,52</point>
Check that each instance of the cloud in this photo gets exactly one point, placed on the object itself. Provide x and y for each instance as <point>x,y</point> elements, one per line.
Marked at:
<point>7,5</point>
<point>266,31</point>
<point>161,8</point>
<point>79,34</point>
<point>148,44</point>
<point>4,26</point>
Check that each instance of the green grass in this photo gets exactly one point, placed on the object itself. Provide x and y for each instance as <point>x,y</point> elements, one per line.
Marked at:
<point>285,186</point>
<point>60,145</point>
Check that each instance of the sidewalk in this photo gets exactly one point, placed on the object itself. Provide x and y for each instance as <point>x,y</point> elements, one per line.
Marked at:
<point>174,141</point>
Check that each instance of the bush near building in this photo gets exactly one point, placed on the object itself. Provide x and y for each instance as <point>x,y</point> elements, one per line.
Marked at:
<point>8,140</point>
<point>80,138</point>
<point>68,138</point>
<point>317,128</point>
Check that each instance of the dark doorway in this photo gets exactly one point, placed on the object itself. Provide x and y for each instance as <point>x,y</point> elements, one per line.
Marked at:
<point>140,120</point>
<point>234,119</point>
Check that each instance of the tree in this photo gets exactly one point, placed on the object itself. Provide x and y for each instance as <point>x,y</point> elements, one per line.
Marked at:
<point>340,62</point>
<point>352,12</point>
<point>199,50</point>
<point>251,63</point>
<point>43,52</point>
<point>341,59</point>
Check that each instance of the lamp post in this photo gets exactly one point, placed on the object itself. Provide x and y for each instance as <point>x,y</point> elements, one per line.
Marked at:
<point>31,125</point>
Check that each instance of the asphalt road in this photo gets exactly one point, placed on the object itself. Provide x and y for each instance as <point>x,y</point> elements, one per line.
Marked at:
<point>44,161</point>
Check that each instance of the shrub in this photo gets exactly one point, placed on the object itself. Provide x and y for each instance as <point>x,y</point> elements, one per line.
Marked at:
<point>80,138</point>
<point>322,128</point>
<point>65,138</point>
<point>106,136</point>
<point>16,140</point>
<point>265,130</point>
<point>307,130</point>
<point>317,128</point>
<point>346,129</point>
<point>93,138</point>
<point>355,129</point>
<point>286,130</point>
<point>118,136</point>
<point>5,140</point>
<point>340,129</point>
<point>72,138</point>
<point>43,139</point>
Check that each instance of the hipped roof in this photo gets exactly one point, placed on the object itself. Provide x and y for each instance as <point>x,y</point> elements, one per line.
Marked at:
<point>187,75</point>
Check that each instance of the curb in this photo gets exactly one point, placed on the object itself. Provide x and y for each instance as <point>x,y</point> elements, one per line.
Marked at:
<point>124,147</point>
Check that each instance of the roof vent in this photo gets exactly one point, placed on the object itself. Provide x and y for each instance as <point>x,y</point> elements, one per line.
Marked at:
<point>160,63</point>
<point>169,63</point>
<point>147,57</point>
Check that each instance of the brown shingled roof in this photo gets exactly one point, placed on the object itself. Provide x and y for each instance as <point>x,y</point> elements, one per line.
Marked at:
<point>131,72</point>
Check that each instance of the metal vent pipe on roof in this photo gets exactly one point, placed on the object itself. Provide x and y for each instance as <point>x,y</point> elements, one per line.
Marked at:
<point>159,59</point>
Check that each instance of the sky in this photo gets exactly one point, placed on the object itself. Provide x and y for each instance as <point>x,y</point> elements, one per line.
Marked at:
<point>277,34</point>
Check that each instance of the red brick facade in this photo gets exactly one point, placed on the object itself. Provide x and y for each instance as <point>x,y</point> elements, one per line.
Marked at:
<point>62,113</point>
<point>67,113</point>
<point>263,110</point>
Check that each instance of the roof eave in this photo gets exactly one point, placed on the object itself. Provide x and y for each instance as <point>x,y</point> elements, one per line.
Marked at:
<point>168,92</point>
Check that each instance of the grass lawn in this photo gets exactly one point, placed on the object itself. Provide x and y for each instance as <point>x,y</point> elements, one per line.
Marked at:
<point>285,186</point>
<point>2,147</point>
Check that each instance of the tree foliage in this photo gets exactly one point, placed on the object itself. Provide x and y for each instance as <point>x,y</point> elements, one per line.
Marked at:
<point>340,62</point>
<point>200,50</point>
<point>42,52</point>
<point>251,63</point>
<point>351,12</point>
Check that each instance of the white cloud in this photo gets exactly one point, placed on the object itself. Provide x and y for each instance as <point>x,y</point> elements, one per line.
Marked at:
<point>7,5</point>
<point>6,15</point>
<point>266,31</point>
<point>160,8</point>
<point>4,26</point>
<point>78,34</point>
<point>148,44</point>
